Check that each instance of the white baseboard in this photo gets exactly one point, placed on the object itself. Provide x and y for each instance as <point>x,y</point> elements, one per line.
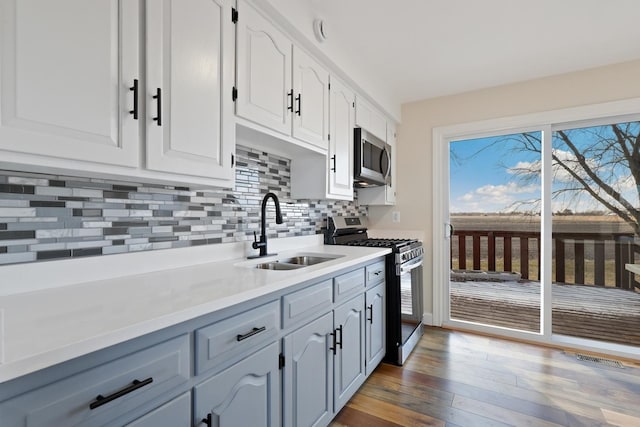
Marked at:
<point>427,319</point>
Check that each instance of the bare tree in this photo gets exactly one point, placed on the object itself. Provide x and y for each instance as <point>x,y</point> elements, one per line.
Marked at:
<point>602,162</point>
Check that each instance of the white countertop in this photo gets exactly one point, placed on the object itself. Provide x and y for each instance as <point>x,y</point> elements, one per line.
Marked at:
<point>43,325</point>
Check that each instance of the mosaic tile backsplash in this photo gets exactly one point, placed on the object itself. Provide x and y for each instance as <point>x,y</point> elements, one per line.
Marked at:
<point>44,217</point>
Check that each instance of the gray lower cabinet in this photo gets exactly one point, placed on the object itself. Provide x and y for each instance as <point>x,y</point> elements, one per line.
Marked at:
<point>100,395</point>
<point>224,369</point>
<point>349,372</point>
<point>176,412</point>
<point>308,374</point>
<point>245,394</point>
<point>375,327</point>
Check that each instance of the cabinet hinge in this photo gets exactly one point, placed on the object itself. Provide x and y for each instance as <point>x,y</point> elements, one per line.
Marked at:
<point>234,15</point>
<point>233,160</point>
<point>281,361</point>
<point>234,93</point>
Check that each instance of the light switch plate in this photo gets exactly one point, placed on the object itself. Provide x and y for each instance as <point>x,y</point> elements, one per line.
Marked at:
<point>395,216</point>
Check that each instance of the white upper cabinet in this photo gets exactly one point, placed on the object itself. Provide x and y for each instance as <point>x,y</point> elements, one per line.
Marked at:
<point>66,72</point>
<point>367,117</point>
<point>263,71</point>
<point>189,71</point>
<point>341,142</point>
<point>279,86</point>
<point>311,100</point>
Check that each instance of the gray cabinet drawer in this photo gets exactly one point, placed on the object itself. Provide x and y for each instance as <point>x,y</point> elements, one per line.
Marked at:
<point>306,303</point>
<point>176,412</point>
<point>67,402</point>
<point>236,335</point>
<point>348,284</point>
<point>374,273</point>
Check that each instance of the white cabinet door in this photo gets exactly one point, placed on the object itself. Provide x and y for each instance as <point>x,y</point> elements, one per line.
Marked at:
<point>245,394</point>
<point>308,374</point>
<point>349,372</point>
<point>264,71</point>
<point>189,72</point>
<point>66,70</point>
<point>341,142</point>
<point>311,100</point>
<point>375,327</point>
<point>367,117</point>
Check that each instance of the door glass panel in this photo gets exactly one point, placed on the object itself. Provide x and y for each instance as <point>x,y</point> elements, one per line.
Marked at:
<point>495,213</point>
<point>596,216</point>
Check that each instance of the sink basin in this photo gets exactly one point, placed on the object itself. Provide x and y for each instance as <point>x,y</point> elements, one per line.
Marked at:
<point>297,261</point>
<point>305,260</point>
<point>275,265</point>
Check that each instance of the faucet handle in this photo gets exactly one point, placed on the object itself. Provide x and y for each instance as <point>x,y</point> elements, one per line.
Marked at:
<point>254,245</point>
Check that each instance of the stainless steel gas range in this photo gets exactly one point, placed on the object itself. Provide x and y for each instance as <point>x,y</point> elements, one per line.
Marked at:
<point>403,282</point>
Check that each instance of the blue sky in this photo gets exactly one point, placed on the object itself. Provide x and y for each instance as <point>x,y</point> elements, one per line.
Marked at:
<point>480,176</point>
<point>483,178</point>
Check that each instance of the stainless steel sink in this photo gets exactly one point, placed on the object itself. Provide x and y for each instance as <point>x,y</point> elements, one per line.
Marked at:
<point>275,265</point>
<point>305,260</point>
<point>297,261</point>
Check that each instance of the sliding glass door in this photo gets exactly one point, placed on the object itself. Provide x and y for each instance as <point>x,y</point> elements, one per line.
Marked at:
<point>541,229</point>
<point>494,208</point>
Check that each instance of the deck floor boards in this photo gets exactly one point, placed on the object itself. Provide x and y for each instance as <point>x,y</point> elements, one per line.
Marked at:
<point>607,314</point>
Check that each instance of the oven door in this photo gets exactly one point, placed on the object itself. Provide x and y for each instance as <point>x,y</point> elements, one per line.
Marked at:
<point>410,275</point>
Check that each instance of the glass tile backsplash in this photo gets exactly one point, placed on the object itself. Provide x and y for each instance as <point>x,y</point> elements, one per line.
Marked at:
<point>44,217</point>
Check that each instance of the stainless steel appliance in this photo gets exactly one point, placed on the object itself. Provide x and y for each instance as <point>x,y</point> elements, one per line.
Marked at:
<point>372,159</point>
<point>403,282</point>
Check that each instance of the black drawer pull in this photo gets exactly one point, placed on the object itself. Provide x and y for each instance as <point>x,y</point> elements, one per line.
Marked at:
<point>251,333</point>
<point>299,101</point>
<point>339,343</point>
<point>333,159</point>
<point>335,341</point>
<point>290,96</point>
<point>136,384</point>
<point>370,319</point>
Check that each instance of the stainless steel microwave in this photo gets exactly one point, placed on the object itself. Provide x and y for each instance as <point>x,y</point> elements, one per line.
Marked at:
<point>372,160</point>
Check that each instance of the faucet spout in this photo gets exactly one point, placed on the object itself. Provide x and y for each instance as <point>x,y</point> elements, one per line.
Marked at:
<point>262,243</point>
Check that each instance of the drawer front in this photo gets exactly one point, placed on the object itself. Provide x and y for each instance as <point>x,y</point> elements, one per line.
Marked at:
<point>374,273</point>
<point>348,284</point>
<point>236,335</point>
<point>123,384</point>
<point>305,303</point>
<point>176,412</point>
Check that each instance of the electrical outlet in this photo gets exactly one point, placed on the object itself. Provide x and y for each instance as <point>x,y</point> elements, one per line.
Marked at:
<point>395,216</point>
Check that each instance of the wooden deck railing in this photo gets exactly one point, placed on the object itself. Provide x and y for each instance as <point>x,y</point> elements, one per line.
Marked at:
<point>564,244</point>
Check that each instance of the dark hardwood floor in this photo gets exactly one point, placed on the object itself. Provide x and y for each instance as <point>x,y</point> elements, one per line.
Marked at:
<point>460,379</point>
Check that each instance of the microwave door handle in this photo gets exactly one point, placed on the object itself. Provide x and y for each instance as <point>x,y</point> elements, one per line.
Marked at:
<point>386,156</point>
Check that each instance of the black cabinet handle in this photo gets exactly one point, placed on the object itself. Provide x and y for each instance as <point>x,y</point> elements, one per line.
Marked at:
<point>251,333</point>
<point>158,98</point>
<point>208,421</point>
<point>333,348</point>
<point>370,319</point>
<point>339,328</point>
<point>290,99</point>
<point>299,101</point>
<point>134,89</point>
<point>333,159</point>
<point>136,384</point>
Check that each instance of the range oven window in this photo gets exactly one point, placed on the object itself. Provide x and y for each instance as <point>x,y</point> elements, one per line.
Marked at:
<point>410,296</point>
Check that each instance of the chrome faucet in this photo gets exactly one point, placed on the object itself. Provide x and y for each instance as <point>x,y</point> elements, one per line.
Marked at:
<point>262,243</point>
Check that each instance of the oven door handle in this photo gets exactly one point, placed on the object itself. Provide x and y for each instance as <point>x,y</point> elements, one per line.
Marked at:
<point>410,265</point>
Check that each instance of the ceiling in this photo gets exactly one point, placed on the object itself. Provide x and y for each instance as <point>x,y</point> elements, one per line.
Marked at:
<point>428,48</point>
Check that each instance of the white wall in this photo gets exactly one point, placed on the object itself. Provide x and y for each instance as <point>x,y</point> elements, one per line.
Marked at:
<point>414,153</point>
